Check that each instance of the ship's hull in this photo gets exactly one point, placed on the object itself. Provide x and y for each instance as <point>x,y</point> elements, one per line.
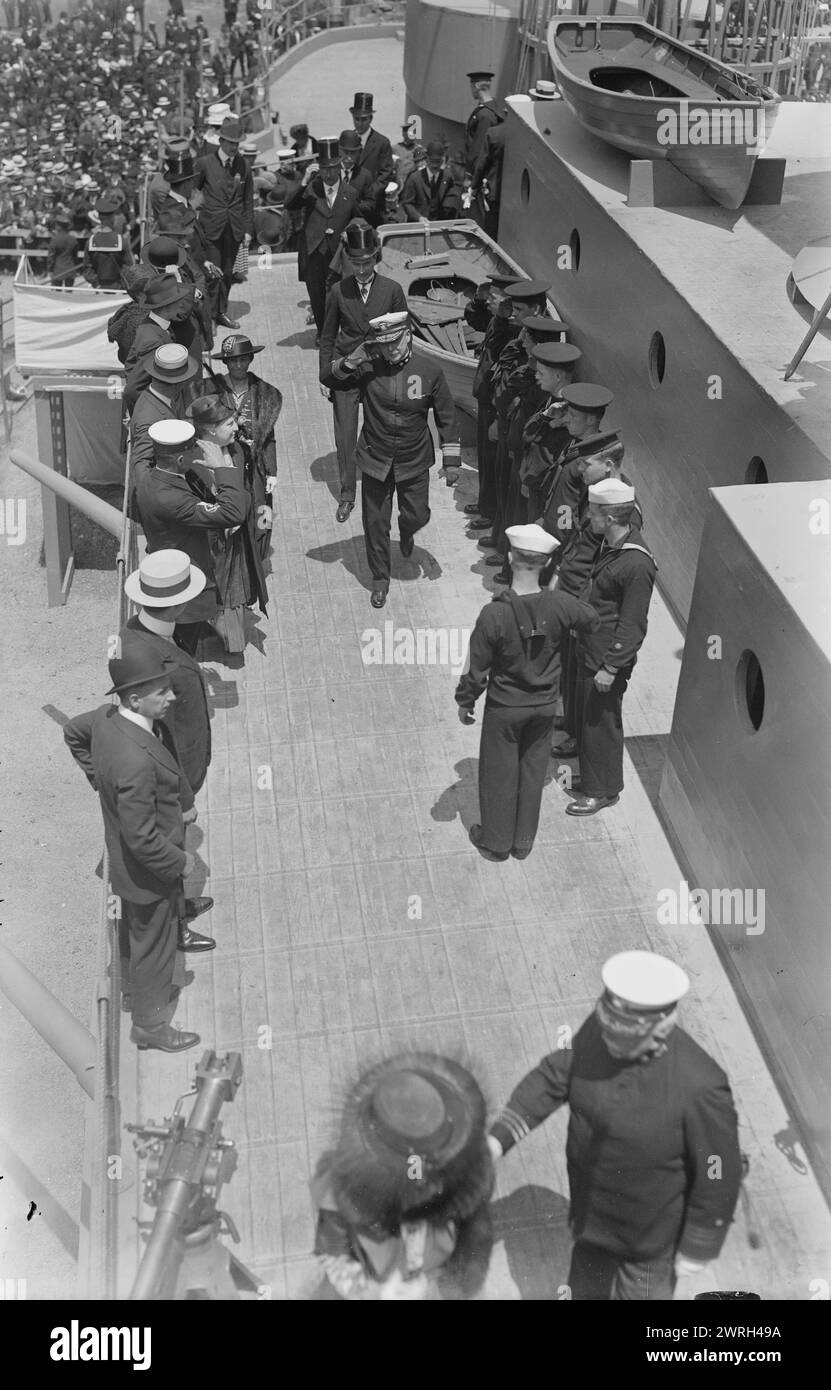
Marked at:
<point>654,98</point>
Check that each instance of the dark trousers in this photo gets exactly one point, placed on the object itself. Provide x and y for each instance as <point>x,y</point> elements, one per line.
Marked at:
<point>486,459</point>
<point>345,404</point>
<point>152,934</point>
<point>376,507</point>
<point>568,682</point>
<point>598,728</point>
<point>513,761</point>
<point>512,512</point>
<point>223,252</point>
<point>501,481</point>
<point>315,274</point>
<point>596,1275</point>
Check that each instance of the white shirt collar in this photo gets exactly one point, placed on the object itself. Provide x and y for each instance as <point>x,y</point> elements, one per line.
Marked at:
<point>177,197</point>
<point>136,718</point>
<point>223,157</point>
<point>157,625</point>
<point>331,193</point>
<point>163,323</point>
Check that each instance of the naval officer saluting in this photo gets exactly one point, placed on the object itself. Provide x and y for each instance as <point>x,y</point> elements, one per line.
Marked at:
<point>515,652</point>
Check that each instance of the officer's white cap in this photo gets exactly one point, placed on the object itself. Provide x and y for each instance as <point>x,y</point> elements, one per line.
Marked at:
<point>172,432</point>
<point>390,323</point>
<point>611,492</point>
<point>531,538</point>
<point>643,980</point>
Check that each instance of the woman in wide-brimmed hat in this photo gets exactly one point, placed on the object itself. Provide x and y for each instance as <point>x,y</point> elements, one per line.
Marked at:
<point>256,405</point>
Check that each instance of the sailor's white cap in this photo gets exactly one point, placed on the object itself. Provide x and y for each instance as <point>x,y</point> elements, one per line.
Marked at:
<point>531,538</point>
<point>391,188</point>
<point>611,492</point>
<point>172,433</point>
<point>643,980</point>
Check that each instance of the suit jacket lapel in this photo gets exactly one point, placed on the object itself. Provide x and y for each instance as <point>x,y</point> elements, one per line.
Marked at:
<point>152,745</point>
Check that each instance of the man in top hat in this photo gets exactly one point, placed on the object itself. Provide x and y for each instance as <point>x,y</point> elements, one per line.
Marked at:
<point>515,653</point>
<point>358,178</point>
<point>169,368</point>
<point>180,509</point>
<point>350,305</point>
<point>402,1199</point>
<point>395,450</point>
<point>482,118</point>
<point>619,586</point>
<point>174,185</point>
<point>562,488</point>
<point>650,1113</point>
<point>130,760</point>
<point>376,151</point>
<point>328,203</point>
<point>227,211</point>
<point>431,194</point>
<point>169,303</point>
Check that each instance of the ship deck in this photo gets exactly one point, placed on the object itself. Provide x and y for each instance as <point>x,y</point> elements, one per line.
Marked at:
<point>354,919</point>
<point>734,269</point>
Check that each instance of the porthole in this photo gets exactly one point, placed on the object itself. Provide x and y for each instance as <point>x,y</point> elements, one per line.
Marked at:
<point>657,359</point>
<point>750,691</point>
<point>756,471</point>
<point>525,187</point>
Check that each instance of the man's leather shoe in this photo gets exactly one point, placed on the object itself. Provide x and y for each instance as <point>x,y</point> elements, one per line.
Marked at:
<point>344,508</point>
<point>493,560</point>
<point>566,749</point>
<point>406,543</point>
<point>474,835</point>
<point>378,597</point>
<point>521,853</point>
<point>225,322</point>
<point>486,542</point>
<point>193,941</point>
<point>481,524</point>
<point>471,509</point>
<point>194,907</point>
<point>590,805</point>
<point>163,1038</point>
<point>502,578</point>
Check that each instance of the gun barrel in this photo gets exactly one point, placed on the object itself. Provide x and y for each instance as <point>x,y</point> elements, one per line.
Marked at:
<point>94,507</point>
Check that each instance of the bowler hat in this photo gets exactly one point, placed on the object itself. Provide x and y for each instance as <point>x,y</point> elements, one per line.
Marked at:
<point>170,362</point>
<point>138,665</point>
<point>237,345</point>
<point>166,290</point>
<point>415,1106</point>
<point>362,105</point>
<point>162,252</point>
<point>164,579</point>
<point>349,140</point>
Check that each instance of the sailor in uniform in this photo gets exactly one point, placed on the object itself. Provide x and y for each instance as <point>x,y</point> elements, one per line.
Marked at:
<point>619,587</point>
<point>498,331</point>
<point>395,450</point>
<point>484,116</point>
<point>649,1110</point>
<point>515,653</point>
<point>562,487</point>
<point>544,434</point>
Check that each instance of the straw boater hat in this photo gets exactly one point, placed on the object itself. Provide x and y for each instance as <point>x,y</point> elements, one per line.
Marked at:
<point>164,579</point>
<point>170,363</point>
<point>545,91</point>
<point>217,113</point>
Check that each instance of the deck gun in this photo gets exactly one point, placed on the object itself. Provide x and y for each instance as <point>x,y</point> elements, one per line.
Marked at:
<point>188,1161</point>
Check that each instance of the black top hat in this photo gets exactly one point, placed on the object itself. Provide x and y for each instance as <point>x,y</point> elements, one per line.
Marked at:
<point>237,345</point>
<point>178,166</point>
<point>360,239</point>
<point>349,140</point>
<point>416,1104</point>
<point>362,105</point>
<point>328,152</point>
<point>138,664</point>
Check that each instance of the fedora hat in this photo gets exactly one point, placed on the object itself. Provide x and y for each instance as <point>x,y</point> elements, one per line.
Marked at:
<point>164,579</point>
<point>416,1103</point>
<point>163,252</point>
<point>166,290</point>
<point>237,345</point>
<point>138,665</point>
<point>176,221</point>
<point>170,362</point>
<point>362,105</point>
<point>231,130</point>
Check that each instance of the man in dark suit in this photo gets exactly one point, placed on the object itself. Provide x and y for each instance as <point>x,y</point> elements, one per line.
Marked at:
<point>376,152</point>
<point>227,211</point>
<point>350,305</point>
<point>168,303</point>
<point>180,508</point>
<point>328,204</point>
<point>349,147</point>
<point>431,194</point>
<point>486,179</point>
<point>169,368</point>
<point>650,1110</point>
<point>162,587</point>
<point>130,759</point>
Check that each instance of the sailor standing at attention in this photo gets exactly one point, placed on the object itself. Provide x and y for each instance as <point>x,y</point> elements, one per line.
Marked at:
<point>515,652</point>
<point>484,116</point>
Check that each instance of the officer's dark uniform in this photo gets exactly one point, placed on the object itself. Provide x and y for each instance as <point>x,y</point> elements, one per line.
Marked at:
<point>641,1140</point>
<point>515,651</point>
<point>619,587</point>
<point>395,450</point>
<point>481,119</point>
<point>497,334</point>
<point>544,440</point>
